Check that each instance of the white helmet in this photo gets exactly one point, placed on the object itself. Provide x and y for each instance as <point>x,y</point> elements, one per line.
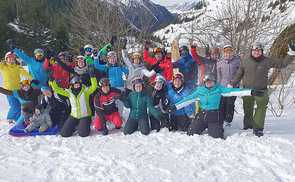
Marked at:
<point>112,54</point>
<point>136,55</point>
<point>160,79</point>
<point>89,46</point>
<point>10,55</point>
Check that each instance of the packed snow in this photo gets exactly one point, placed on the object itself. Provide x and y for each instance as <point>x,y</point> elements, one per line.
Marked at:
<point>162,156</point>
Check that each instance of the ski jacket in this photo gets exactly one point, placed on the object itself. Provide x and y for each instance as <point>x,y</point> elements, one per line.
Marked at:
<point>254,72</point>
<point>42,118</point>
<point>135,70</point>
<point>11,75</point>
<point>56,102</point>
<point>209,64</point>
<point>114,72</point>
<point>158,97</point>
<point>189,68</point>
<point>210,98</point>
<point>227,70</point>
<point>105,102</point>
<point>138,102</point>
<point>176,95</point>
<point>28,99</point>
<point>165,63</point>
<point>35,68</point>
<point>59,72</point>
<point>79,104</point>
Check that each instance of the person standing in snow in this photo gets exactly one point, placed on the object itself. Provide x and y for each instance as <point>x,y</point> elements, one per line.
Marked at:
<point>254,73</point>
<point>138,101</point>
<point>35,65</point>
<point>40,119</point>
<point>208,115</point>
<point>11,76</point>
<point>227,67</point>
<point>161,59</point>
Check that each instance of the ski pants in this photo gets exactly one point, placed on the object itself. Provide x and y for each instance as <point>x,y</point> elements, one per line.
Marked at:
<point>156,124</point>
<point>207,119</point>
<point>119,103</point>
<point>15,108</point>
<point>114,117</point>
<point>133,124</point>
<point>227,108</point>
<point>69,127</point>
<point>257,121</point>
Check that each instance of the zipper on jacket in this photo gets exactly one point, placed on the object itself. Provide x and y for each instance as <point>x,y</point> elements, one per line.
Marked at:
<point>136,115</point>
<point>207,105</point>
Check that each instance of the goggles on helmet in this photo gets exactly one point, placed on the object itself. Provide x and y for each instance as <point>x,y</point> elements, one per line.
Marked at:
<point>80,58</point>
<point>110,54</point>
<point>62,57</point>
<point>209,77</point>
<point>88,50</point>
<point>75,80</point>
<point>157,49</point>
<point>23,82</point>
<point>135,56</point>
<point>177,76</point>
<point>256,47</point>
<point>227,49</point>
<point>39,54</point>
<point>104,82</point>
<point>214,51</point>
<point>137,80</point>
<point>11,56</point>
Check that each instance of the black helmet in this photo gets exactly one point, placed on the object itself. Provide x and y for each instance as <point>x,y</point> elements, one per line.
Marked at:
<point>62,54</point>
<point>183,48</point>
<point>209,77</point>
<point>75,80</point>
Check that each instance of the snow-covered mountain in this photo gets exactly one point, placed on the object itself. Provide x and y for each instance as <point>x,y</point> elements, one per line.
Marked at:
<point>180,8</point>
<point>145,12</point>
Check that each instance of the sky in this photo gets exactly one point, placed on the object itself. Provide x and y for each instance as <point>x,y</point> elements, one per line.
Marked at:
<point>169,2</point>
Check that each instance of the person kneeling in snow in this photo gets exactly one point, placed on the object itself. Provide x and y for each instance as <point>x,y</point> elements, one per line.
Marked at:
<point>105,106</point>
<point>40,119</point>
<point>138,101</point>
<point>208,115</point>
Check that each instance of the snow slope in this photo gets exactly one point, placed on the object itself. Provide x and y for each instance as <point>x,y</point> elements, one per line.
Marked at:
<point>162,156</point>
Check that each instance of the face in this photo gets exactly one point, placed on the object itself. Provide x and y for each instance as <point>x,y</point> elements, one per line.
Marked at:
<point>228,54</point>
<point>158,56</point>
<point>37,111</point>
<point>63,59</point>
<point>11,61</point>
<point>105,89</point>
<point>76,85</point>
<point>138,87</point>
<point>80,64</point>
<point>88,53</point>
<point>215,55</point>
<point>39,57</point>
<point>112,60</point>
<point>159,85</point>
<point>210,84</point>
<point>26,87</point>
<point>256,53</point>
<point>136,60</point>
<point>177,83</point>
<point>47,93</point>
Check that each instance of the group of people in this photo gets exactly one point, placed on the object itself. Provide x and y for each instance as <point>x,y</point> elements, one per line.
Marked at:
<point>61,91</point>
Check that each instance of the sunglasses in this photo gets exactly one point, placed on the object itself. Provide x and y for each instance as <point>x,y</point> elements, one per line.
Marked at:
<point>214,51</point>
<point>80,58</point>
<point>256,47</point>
<point>106,83</point>
<point>157,49</point>
<point>228,49</point>
<point>39,54</point>
<point>177,76</point>
<point>88,50</point>
<point>26,82</point>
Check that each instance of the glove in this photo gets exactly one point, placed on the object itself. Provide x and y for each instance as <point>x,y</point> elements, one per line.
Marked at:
<point>147,45</point>
<point>207,53</point>
<point>36,82</point>
<point>95,52</point>
<point>164,51</point>
<point>113,40</point>
<point>166,104</point>
<point>49,74</point>
<point>70,57</point>
<point>122,96</point>
<point>162,118</point>
<point>82,51</point>
<point>257,93</point>
<point>27,110</point>
<point>157,68</point>
<point>48,54</point>
<point>91,71</point>
<point>10,44</point>
<point>292,48</point>
<point>109,49</point>
<point>58,81</point>
<point>229,86</point>
<point>171,109</point>
<point>124,44</point>
<point>128,91</point>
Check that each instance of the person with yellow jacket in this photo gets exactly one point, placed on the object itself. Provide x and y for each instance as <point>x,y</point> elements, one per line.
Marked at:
<point>78,95</point>
<point>11,76</point>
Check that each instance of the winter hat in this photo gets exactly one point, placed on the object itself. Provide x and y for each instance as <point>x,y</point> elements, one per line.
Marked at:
<point>40,108</point>
<point>45,88</point>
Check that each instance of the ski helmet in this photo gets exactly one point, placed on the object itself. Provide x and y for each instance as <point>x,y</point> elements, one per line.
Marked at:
<point>214,50</point>
<point>178,75</point>
<point>183,48</point>
<point>209,77</point>
<point>111,54</point>
<point>104,82</point>
<point>137,80</point>
<point>62,54</point>
<point>80,58</point>
<point>136,55</point>
<point>160,79</point>
<point>38,52</point>
<point>10,55</point>
<point>76,80</point>
<point>257,45</point>
<point>25,81</point>
<point>88,48</point>
<point>227,48</point>
<point>157,49</point>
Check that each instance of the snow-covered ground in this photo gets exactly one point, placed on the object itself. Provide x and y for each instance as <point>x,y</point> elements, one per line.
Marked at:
<point>162,156</point>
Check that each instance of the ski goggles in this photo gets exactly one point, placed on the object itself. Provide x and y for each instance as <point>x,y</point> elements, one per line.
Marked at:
<point>177,76</point>
<point>214,51</point>
<point>75,80</point>
<point>137,80</point>
<point>88,50</point>
<point>62,57</point>
<point>256,47</point>
<point>105,83</point>
<point>136,56</point>
<point>157,49</point>
<point>39,54</point>
<point>111,55</point>
<point>11,56</point>
<point>23,82</point>
<point>228,49</point>
<point>80,58</point>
